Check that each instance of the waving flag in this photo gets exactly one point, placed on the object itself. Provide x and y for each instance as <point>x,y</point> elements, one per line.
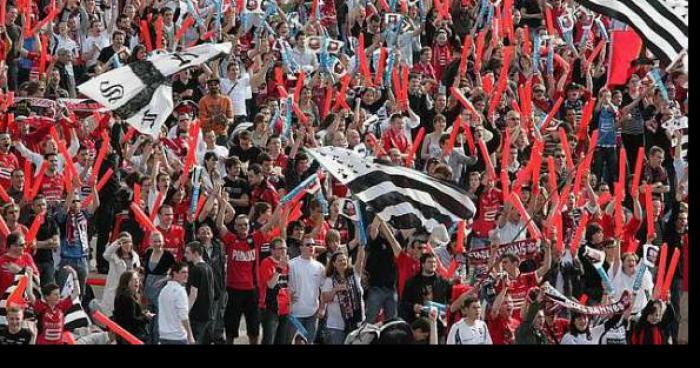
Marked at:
<point>404,197</point>
<point>75,316</point>
<point>141,92</point>
<point>661,23</point>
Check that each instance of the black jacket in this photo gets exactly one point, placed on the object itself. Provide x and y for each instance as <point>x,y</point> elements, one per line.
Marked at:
<point>415,293</point>
<point>217,262</point>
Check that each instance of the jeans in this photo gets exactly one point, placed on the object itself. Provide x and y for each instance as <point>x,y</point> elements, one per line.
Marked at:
<point>274,328</point>
<point>202,331</point>
<point>218,328</point>
<point>332,336</point>
<point>80,265</point>
<point>605,165</point>
<point>381,298</point>
<point>172,342</point>
<point>47,272</point>
<point>310,324</point>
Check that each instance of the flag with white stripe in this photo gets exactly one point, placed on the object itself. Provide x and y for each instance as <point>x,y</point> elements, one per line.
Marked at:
<point>75,316</point>
<point>664,31</point>
<point>141,92</point>
<point>29,314</point>
<point>406,198</point>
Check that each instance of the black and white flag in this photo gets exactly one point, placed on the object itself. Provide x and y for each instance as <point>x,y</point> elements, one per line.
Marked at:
<point>75,316</point>
<point>660,23</point>
<point>141,92</point>
<point>406,198</point>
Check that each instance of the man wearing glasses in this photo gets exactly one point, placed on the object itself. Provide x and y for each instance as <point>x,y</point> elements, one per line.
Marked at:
<point>14,261</point>
<point>242,249</point>
<point>306,275</point>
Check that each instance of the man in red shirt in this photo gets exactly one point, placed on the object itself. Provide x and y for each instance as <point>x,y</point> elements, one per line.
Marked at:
<point>395,136</point>
<point>502,325</point>
<point>52,186</point>
<point>520,283</point>
<point>490,202</point>
<point>262,191</point>
<point>174,235</point>
<point>8,160</point>
<point>243,264</point>
<point>14,261</point>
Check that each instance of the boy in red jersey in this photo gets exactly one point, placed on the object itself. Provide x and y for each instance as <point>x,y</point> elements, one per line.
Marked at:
<point>520,283</point>
<point>51,311</point>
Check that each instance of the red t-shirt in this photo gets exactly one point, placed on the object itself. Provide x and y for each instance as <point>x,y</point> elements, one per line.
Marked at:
<point>51,321</point>
<point>392,139</point>
<point>52,187</point>
<point>556,331</point>
<point>408,267</point>
<point>265,192</point>
<point>8,164</point>
<point>490,203</point>
<point>267,269</point>
<point>518,290</point>
<point>6,278</point>
<point>502,330</point>
<point>241,260</point>
<point>174,239</point>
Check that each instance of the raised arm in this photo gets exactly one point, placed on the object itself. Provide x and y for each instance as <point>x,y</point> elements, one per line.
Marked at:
<point>547,262</point>
<point>389,237</point>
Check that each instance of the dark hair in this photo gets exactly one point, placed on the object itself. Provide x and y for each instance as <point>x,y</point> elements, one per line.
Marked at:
<point>195,247</point>
<point>49,288</point>
<point>591,230</point>
<point>258,209</point>
<point>178,266</point>
<point>13,238</point>
<point>330,267</point>
<point>649,309</point>
<point>424,257</point>
<point>421,324</point>
<point>255,168</point>
<point>264,156</point>
<point>469,300</point>
<point>123,286</point>
<point>572,325</point>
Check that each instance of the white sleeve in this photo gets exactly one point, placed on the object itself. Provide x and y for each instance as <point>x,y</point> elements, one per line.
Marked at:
<point>568,339</point>
<point>451,335</point>
<point>487,338</point>
<point>327,285</point>
<point>181,305</point>
<point>36,158</point>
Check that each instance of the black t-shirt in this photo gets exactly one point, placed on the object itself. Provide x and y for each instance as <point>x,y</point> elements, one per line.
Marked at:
<point>531,7</point>
<point>381,267</point>
<point>249,155</point>
<point>23,337</point>
<point>202,278</point>
<point>236,189</point>
<point>179,87</point>
<point>47,230</point>
<point>107,53</point>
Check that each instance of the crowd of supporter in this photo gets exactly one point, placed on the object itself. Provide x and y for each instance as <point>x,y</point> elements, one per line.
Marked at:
<point>192,242</point>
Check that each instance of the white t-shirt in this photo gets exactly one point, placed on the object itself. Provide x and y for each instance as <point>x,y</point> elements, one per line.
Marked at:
<point>582,339</point>
<point>510,230</point>
<point>172,310</point>
<point>622,282</point>
<point>334,317</point>
<point>305,280</point>
<point>463,334</point>
<point>239,91</point>
<point>101,41</point>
